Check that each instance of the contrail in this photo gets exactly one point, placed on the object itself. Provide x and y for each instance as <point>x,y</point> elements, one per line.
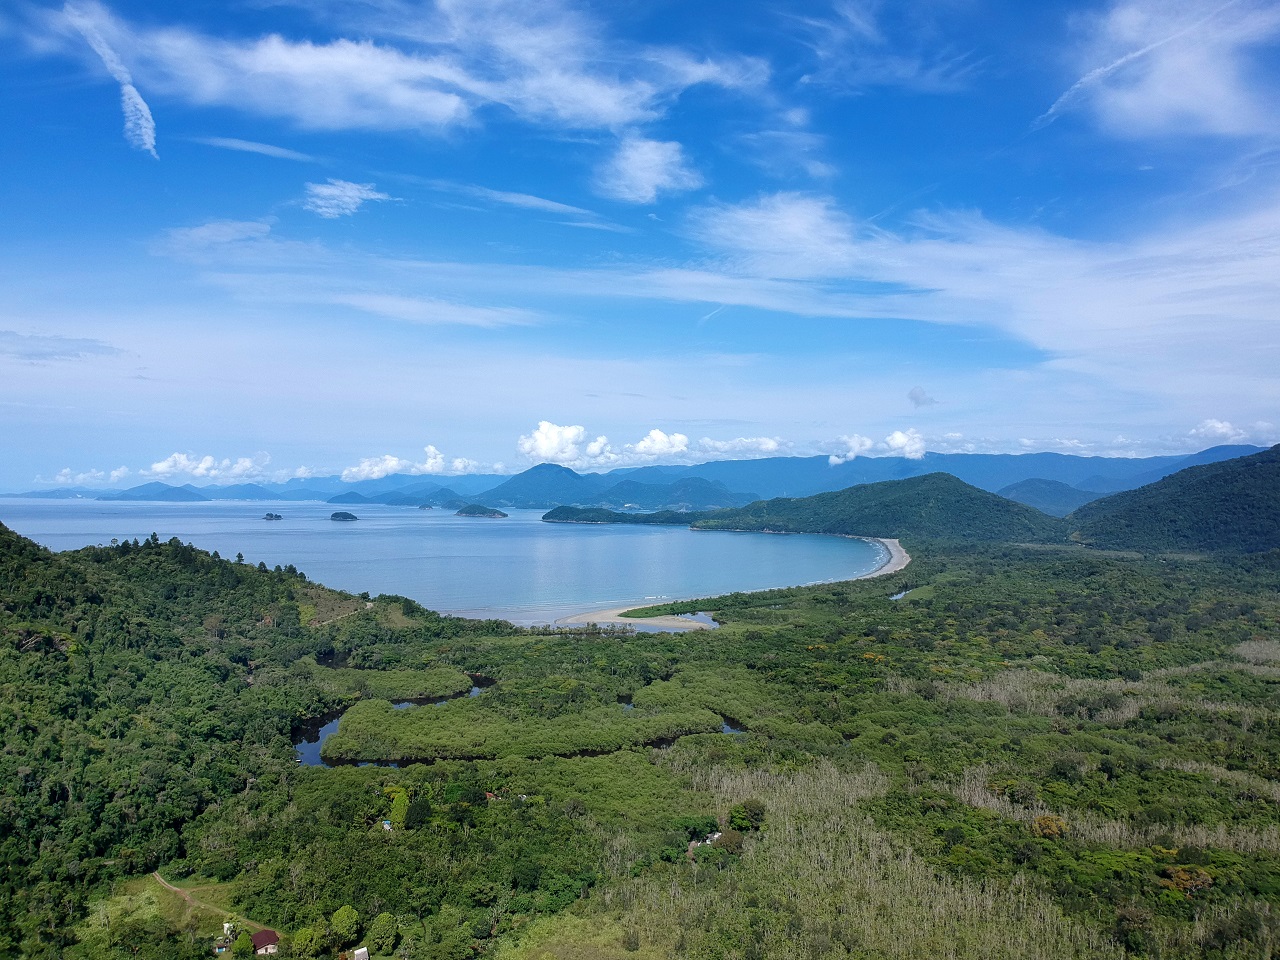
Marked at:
<point>1093,76</point>
<point>139,125</point>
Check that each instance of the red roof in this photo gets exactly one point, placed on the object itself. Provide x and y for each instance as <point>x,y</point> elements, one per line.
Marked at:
<point>264,938</point>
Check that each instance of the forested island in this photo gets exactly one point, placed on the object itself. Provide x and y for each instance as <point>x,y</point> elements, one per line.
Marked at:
<point>480,510</point>
<point>1021,748</point>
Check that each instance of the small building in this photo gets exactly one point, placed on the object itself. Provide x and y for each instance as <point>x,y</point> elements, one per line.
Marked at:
<point>361,953</point>
<point>266,942</point>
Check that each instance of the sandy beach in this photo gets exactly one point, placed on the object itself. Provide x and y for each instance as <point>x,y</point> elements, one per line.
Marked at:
<point>613,616</point>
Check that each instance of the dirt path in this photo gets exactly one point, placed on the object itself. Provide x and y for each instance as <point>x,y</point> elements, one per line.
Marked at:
<point>368,605</point>
<point>195,902</point>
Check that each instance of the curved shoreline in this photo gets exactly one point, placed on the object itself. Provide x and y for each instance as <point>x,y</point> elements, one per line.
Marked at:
<point>896,560</point>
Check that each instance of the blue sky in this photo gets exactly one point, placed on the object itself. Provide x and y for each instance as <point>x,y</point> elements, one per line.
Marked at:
<point>267,238</point>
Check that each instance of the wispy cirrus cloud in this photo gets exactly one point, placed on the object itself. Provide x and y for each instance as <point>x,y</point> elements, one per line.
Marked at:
<point>38,348</point>
<point>867,43</point>
<point>139,125</point>
<point>1158,67</point>
<point>425,66</point>
<point>252,146</point>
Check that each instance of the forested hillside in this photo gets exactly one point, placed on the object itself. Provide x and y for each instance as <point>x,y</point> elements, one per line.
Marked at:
<point>937,506</point>
<point>1231,506</point>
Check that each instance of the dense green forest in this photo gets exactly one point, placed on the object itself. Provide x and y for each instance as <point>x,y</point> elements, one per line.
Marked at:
<point>1001,751</point>
<point>1233,505</point>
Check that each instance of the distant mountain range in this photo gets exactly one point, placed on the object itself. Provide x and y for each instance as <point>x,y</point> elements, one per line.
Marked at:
<point>1228,506</point>
<point>725,483</point>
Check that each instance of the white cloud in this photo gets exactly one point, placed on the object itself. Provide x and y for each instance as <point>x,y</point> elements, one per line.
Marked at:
<point>908,444</point>
<point>434,463</point>
<point>569,447</point>
<point>431,311</point>
<point>785,152</point>
<point>340,198</point>
<point>1157,67</point>
<point>850,448</point>
<point>863,45</point>
<point>1219,431</point>
<point>792,235</point>
<point>251,146</point>
<point>524,201</point>
<point>661,445</point>
<point>552,443</point>
<point>744,447</point>
<point>178,465</point>
<point>139,125</point>
<point>191,239</point>
<point>642,169</point>
<point>426,67</point>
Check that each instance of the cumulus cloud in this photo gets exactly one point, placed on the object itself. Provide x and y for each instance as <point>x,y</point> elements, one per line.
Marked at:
<point>434,463</point>
<point>340,198</point>
<point>642,169</point>
<point>552,443</point>
<point>1219,431</point>
<point>745,447</point>
<point>851,447</point>
<point>208,467</point>
<point>569,447</point>
<point>919,398</point>
<point>1172,66</point>
<point>77,478</point>
<point>907,444</point>
<point>659,445</point>
<point>139,125</point>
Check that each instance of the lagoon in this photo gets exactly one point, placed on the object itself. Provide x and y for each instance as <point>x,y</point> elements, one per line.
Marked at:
<point>518,568</point>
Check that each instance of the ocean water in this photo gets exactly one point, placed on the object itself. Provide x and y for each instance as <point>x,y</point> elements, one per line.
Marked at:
<point>519,569</point>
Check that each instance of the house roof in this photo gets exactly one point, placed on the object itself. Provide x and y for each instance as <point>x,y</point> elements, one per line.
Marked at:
<point>264,938</point>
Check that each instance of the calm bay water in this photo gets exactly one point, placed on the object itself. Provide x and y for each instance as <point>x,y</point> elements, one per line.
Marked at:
<point>519,569</point>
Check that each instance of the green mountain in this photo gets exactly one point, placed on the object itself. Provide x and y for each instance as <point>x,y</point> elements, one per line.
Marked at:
<point>936,506</point>
<point>1049,496</point>
<point>1230,506</point>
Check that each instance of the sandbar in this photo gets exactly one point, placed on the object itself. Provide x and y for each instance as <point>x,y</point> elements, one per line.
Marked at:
<point>613,616</point>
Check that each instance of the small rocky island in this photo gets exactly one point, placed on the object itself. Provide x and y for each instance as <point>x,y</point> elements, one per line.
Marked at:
<point>272,516</point>
<point>479,510</point>
<point>343,515</point>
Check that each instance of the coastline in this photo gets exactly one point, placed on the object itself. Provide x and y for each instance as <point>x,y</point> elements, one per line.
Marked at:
<point>897,559</point>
